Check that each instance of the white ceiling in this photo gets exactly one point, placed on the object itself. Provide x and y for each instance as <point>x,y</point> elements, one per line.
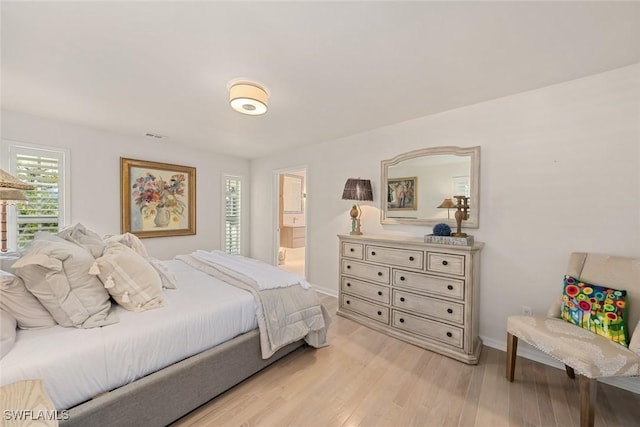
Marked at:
<point>333,68</point>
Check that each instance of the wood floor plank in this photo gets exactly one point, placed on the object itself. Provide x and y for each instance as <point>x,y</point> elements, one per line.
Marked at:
<point>365,378</point>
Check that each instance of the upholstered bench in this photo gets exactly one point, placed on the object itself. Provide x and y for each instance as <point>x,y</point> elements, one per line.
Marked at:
<point>590,355</point>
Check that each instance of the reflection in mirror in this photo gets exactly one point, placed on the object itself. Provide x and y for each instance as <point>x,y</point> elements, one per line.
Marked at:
<point>292,189</point>
<point>417,184</point>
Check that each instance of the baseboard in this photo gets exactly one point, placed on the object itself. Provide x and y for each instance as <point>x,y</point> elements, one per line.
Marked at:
<point>631,384</point>
<point>330,292</point>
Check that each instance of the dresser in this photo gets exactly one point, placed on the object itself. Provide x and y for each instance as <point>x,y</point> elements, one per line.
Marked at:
<point>425,294</point>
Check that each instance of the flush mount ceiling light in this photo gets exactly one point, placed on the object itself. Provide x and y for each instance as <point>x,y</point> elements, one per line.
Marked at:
<point>248,97</point>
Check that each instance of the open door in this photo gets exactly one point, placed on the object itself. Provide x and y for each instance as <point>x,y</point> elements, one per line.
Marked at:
<point>292,224</point>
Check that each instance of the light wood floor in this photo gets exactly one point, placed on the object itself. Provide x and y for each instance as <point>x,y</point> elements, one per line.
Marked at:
<point>364,378</point>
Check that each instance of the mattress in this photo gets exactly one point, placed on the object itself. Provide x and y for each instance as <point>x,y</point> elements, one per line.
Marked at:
<point>78,364</point>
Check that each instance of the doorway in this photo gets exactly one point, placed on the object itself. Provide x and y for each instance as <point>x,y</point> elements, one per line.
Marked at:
<point>292,220</point>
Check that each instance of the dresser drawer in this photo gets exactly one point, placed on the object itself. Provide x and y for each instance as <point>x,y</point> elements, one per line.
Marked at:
<point>352,250</point>
<point>371,310</point>
<point>394,256</point>
<point>445,263</point>
<point>450,288</point>
<point>365,289</point>
<point>432,307</point>
<point>374,273</point>
<point>428,328</point>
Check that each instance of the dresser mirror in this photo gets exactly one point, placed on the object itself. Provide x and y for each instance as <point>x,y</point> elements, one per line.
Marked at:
<point>416,186</point>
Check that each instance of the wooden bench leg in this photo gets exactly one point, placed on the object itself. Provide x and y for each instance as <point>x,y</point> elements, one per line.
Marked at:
<point>588,388</point>
<point>570,372</point>
<point>512,350</point>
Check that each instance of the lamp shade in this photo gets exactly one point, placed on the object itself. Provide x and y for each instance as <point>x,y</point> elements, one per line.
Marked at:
<point>447,203</point>
<point>248,98</point>
<point>9,181</point>
<point>9,196</point>
<point>357,189</point>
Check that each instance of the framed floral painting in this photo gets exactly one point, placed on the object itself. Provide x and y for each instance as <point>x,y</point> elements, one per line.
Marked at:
<point>158,199</point>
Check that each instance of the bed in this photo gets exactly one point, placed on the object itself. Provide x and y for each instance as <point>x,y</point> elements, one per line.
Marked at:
<point>154,366</point>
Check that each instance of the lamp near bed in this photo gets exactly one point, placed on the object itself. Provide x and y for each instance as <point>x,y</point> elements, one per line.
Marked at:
<point>359,190</point>
<point>10,194</point>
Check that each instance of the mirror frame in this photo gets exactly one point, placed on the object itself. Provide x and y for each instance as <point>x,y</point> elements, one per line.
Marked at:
<point>289,177</point>
<point>474,217</point>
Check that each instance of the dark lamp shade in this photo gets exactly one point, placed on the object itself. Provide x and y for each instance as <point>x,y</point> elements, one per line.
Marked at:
<point>357,189</point>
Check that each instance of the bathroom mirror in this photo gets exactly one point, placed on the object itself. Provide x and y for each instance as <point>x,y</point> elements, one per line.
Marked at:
<point>415,186</point>
<point>292,189</point>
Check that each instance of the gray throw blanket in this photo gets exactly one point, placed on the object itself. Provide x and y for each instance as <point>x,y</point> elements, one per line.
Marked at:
<point>284,314</point>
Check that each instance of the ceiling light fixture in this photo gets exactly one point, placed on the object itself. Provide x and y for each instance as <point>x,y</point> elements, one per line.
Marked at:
<point>248,97</point>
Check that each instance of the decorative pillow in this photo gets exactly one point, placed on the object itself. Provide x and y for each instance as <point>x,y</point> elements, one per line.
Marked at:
<point>16,300</point>
<point>130,240</point>
<point>81,236</point>
<point>56,272</point>
<point>130,279</point>
<point>7,332</point>
<point>596,308</point>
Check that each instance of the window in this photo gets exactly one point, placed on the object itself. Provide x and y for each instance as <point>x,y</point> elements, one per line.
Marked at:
<point>47,170</point>
<point>233,213</point>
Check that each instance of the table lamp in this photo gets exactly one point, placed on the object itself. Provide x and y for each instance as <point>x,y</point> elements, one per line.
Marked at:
<point>359,190</point>
<point>447,204</point>
<point>10,193</point>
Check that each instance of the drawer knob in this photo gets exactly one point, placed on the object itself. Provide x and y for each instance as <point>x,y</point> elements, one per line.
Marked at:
<point>379,273</point>
<point>449,334</point>
<point>445,262</point>
<point>348,267</point>
<point>379,313</point>
<point>380,293</point>
<point>450,287</point>
<point>351,250</point>
<point>348,302</point>
<point>411,258</point>
<point>348,284</point>
<point>401,320</point>
<point>373,253</point>
<point>449,310</point>
<point>402,278</point>
<point>402,299</point>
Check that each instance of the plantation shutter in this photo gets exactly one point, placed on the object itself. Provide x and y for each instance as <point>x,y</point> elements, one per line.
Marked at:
<point>233,193</point>
<point>44,169</point>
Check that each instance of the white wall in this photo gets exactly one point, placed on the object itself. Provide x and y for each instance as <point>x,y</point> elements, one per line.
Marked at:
<point>95,177</point>
<point>560,172</point>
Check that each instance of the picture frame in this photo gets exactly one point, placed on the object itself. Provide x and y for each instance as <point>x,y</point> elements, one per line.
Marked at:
<point>157,199</point>
<point>402,194</point>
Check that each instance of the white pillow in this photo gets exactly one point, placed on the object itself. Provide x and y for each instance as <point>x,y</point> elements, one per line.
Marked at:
<point>130,240</point>
<point>81,236</point>
<point>129,278</point>
<point>7,332</point>
<point>56,272</point>
<point>16,300</point>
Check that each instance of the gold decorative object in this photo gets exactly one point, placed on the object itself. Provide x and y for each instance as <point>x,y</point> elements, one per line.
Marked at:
<point>461,214</point>
<point>447,204</point>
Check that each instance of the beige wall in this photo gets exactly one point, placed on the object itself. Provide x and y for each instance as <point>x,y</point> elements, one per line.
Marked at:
<point>95,177</point>
<point>560,172</point>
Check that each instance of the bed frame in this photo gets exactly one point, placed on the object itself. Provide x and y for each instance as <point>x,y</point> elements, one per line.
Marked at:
<point>166,395</point>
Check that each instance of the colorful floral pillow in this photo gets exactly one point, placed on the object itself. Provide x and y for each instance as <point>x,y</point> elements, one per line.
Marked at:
<point>596,308</point>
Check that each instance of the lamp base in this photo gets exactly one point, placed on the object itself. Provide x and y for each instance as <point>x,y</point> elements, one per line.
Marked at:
<point>356,233</point>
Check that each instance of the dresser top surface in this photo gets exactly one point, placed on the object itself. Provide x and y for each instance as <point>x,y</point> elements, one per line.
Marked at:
<point>407,240</point>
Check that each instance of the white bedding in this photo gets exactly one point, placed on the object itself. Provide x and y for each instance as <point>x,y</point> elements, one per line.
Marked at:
<point>200,314</point>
